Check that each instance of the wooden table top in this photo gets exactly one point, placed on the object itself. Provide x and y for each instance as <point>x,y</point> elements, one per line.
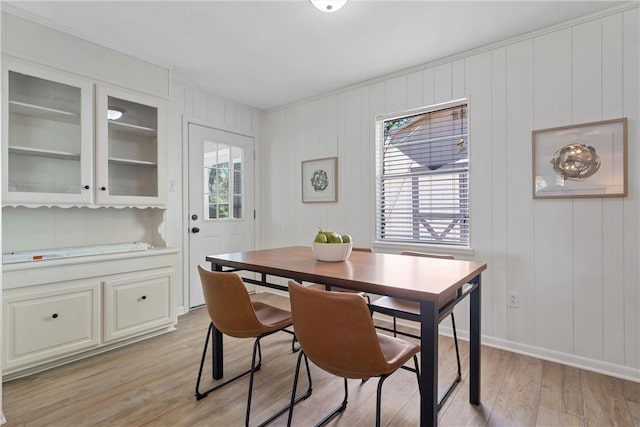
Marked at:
<point>402,276</point>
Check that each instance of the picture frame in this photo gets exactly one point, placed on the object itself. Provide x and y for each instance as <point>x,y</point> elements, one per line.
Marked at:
<point>583,160</point>
<point>320,180</point>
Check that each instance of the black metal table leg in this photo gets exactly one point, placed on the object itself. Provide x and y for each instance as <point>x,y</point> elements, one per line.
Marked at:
<point>474,343</point>
<point>429,363</point>
<point>218,348</point>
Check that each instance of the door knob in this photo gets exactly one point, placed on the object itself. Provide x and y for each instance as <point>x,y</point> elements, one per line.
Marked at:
<point>195,230</point>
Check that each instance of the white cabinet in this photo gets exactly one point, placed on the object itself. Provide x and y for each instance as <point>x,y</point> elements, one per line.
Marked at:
<point>131,149</point>
<point>61,310</point>
<point>137,303</point>
<point>49,119</point>
<point>46,322</point>
<point>47,136</point>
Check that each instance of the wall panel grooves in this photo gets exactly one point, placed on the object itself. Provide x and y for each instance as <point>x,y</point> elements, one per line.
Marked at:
<point>574,263</point>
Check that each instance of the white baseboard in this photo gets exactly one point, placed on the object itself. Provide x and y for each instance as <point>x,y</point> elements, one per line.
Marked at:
<point>611,369</point>
<point>180,310</point>
<point>606,368</point>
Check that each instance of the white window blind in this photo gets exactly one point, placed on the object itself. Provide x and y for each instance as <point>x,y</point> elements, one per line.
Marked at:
<point>422,176</point>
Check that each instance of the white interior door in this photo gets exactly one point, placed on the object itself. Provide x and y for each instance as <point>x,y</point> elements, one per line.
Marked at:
<point>221,198</point>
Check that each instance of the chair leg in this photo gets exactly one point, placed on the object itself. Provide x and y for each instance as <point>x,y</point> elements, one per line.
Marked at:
<point>384,377</point>
<point>202,394</point>
<point>329,417</point>
<point>294,340</point>
<point>295,400</point>
<point>417,371</point>
<point>339,409</point>
<point>458,377</point>
<point>204,354</point>
<point>379,398</point>
<point>286,408</point>
<point>258,350</point>
<point>455,341</point>
<point>295,386</point>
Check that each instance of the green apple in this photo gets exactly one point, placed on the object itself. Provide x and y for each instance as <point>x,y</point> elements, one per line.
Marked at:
<point>346,238</point>
<point>333,237</point>
<point>320,238</point>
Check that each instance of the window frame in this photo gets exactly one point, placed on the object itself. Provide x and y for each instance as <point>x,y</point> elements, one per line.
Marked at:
<point>431,244</point>
<point>231,179</point>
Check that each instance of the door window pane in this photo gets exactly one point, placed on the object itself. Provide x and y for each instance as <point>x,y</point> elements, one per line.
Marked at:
<point>223,171</point>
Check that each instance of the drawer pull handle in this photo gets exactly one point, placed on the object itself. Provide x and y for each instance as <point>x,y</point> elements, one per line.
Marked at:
<point>54,315</point>
<point>143,297</point>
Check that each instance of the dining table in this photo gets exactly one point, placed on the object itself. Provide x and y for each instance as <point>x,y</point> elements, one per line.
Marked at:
<point>427,281</point>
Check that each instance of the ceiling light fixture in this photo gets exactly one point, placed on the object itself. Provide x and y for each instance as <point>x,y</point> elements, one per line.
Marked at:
<point>114,113</point>
<point>328,5</point>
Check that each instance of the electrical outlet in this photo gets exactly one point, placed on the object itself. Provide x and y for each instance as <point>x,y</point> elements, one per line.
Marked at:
<point>514,299</point>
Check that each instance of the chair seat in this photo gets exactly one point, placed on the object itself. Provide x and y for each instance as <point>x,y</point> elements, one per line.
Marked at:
<point>396,351</point>
<point>408,310</point>
<point>272,317</point>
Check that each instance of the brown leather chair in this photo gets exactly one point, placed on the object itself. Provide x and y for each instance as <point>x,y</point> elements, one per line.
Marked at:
<point>336,289</point>
<point>410,310</point>
<point>336,332</point>
<point>233,313</point>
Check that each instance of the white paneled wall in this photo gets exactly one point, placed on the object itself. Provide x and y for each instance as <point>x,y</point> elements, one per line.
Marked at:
<point>192,105</point>
<point>574,263</point>
<point>43,228</point>
<point>38,43</point>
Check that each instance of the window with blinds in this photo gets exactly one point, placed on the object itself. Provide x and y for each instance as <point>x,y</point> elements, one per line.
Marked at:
<point>422,176</point>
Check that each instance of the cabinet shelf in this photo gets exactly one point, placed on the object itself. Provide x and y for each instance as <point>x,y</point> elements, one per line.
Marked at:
<point>39,152</point>
<point>133,129</point>
<point>131,162</point>
<point>32,110</point>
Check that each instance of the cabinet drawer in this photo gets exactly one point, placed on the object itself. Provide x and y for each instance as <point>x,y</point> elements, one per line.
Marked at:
<point>138,304</point>
<point>45,324</point>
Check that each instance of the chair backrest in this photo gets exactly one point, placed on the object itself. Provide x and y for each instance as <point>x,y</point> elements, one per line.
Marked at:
<point>336,331</point>
<point>229,304</point>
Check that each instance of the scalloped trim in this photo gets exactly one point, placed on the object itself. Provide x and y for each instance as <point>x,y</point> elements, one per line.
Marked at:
<point>54,205</point>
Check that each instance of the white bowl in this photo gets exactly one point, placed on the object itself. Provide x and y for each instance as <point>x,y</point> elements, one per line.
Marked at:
<point>332,252</point>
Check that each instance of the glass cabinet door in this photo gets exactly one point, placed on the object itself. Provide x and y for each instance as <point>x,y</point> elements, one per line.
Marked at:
<point>131,148</point>
<point>47,136</point>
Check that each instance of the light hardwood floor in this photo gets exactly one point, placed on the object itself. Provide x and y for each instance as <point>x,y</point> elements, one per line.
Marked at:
<point>152,384</point>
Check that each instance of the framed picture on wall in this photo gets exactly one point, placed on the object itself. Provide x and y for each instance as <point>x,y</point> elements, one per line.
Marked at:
<point>320,180</point>
<point>584,160</point>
